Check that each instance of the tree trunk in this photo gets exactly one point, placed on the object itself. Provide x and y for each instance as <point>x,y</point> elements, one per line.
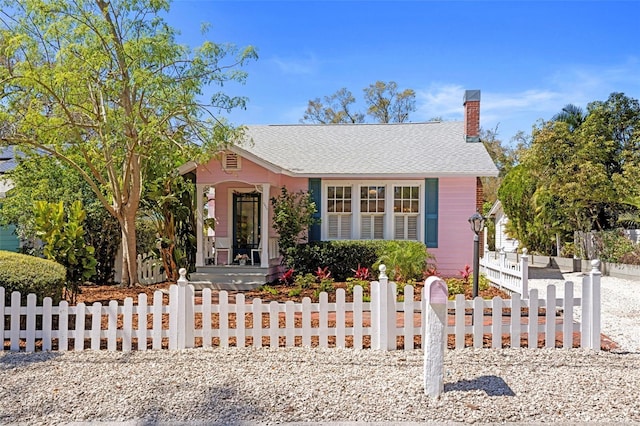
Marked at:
<point>129,253</point>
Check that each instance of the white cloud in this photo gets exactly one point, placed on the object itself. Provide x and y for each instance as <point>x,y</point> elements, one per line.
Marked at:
<point>518,110</point>
<point>297,66</point>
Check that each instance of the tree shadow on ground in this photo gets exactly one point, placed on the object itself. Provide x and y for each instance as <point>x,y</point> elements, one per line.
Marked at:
<point>491,385</point>
<point>545,273</point>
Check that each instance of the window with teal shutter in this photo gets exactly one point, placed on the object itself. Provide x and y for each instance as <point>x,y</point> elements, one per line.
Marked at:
<point>431,212</point>
<point>315,189</point>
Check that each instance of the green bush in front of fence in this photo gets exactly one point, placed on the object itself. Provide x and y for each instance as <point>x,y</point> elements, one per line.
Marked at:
<point>405,260</point>
<point>29,274</point>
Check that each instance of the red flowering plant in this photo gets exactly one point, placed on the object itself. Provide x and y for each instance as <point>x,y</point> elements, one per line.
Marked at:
<point>287,278</point>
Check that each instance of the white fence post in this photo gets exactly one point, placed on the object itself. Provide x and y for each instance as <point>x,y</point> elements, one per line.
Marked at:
<point>435,318</point>
<point>383,312</point>
<point>185,312</point>
<point>590,327</point>
<point>524,271</point>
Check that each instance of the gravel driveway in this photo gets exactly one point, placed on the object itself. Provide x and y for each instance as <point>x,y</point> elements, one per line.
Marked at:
<point>620,303</point>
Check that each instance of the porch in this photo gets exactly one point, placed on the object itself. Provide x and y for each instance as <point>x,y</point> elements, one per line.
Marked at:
<point>221,271</point>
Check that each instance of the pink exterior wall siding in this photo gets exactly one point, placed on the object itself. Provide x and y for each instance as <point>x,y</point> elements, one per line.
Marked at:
<point>457,201</point>
<point>250,175</point>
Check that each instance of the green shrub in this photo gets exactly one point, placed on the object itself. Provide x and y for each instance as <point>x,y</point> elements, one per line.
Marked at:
<point>305,281</point>
<point>352,282</point>
<point>405,260</point>
<point>28,274</point>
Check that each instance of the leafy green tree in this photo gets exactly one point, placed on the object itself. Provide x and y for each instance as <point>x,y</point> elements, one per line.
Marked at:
<point>64,241</point>
<point>581,173</point>
<point>336,109</point>
<point>104,87</point>
<point>292,217</point>
<point>42,178</point>
<point>385,104</point>
<point>168,205</point>
<point>388,105</point>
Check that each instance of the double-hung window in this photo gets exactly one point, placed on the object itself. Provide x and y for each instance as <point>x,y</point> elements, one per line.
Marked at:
<point>372,212</point>
<point>339,212</point>
<point>406,210</point>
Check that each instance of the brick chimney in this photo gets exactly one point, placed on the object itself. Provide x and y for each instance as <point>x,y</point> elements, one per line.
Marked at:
<point>471,104</point>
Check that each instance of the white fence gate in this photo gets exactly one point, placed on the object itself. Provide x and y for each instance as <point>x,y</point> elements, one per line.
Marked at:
<point>505,274</point>
<point>385,323</point>
<point>150,270</point>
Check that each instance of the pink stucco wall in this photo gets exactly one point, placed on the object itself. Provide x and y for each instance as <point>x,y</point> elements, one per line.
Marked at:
<point>457,201</point>
<point>250,175</point>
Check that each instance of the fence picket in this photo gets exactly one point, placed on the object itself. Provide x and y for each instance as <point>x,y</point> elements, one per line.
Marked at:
<point>516,323</point>
<point>496,322</point>
<point>478,322</point>
<point>31,323</point>
<point>63,326</point>
<point>240,321</point>
<point>206,316</point>
<point>156,311</point>
<point>357,317</point>
<point>340,318</point>
<point>223,318</point>
<point>112,315</point>
<point>46,323</point>
<point>323,327</point>
<point>257,322</point>
<point>127,324</point>
<point>273,324</point>
<point>533,319</point>
<point>96,317</point>
<point>550,318</point>
<point>79,332</point>
<point>141,333</point>
<point>408,307</point>
<point>306,322</point>
<point>567,322</point>
<point>14,330</point>
<point>460,319</point>
<point>290,323</point>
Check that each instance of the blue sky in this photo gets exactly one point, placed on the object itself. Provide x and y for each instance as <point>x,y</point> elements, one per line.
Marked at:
<point>528,58</point>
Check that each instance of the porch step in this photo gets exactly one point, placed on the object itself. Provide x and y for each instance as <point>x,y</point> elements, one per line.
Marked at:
<point>228,277</point>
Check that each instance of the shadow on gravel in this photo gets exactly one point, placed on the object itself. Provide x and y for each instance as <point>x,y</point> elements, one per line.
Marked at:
<point>16,359</point>
<point>491,385</point>
<point>540,273</point>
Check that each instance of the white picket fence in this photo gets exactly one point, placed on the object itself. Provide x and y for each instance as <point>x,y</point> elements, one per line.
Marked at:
<point>505,274</point>
<point>150,270</point>
<point>183,323</point>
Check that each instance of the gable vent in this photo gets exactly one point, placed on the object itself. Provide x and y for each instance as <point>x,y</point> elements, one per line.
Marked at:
<point>231,161</point>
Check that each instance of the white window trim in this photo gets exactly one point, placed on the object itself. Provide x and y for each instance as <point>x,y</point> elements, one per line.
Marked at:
<point>388,206</point>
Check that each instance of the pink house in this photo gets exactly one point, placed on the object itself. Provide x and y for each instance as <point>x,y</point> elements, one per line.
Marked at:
<point>410,181</point>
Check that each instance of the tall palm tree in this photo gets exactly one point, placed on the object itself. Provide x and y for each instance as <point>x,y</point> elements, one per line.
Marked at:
<point>571,114</point>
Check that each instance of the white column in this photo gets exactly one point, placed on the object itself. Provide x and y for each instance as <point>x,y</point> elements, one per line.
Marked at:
<point>264,228</point>
<point>388,213</point>
<point>199,225</point>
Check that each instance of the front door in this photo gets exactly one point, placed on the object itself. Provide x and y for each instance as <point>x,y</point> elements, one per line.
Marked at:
<point>246,222</point>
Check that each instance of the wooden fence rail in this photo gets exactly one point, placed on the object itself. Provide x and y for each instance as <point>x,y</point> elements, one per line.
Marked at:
<point>384,323</point>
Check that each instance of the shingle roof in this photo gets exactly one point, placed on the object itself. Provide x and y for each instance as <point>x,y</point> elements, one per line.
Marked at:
<point>409,149</point>
<point>7,159</point>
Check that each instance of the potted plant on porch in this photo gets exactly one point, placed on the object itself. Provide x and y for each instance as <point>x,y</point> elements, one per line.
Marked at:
<point>242,259</point>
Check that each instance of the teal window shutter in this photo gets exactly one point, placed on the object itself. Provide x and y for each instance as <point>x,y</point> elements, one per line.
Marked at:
<point>315,189</point>
<point>431,212</point>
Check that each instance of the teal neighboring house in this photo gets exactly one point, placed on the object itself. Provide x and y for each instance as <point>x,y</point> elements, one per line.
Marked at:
<point>8,239</point>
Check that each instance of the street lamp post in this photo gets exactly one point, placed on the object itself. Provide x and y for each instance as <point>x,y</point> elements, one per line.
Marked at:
<point>477,223</point>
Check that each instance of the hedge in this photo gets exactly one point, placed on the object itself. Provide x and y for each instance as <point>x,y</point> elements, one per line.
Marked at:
<point>29,274</point>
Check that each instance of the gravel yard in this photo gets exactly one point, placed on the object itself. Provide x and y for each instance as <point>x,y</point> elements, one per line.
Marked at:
<point>231,386</point>
<point>268,386</point>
